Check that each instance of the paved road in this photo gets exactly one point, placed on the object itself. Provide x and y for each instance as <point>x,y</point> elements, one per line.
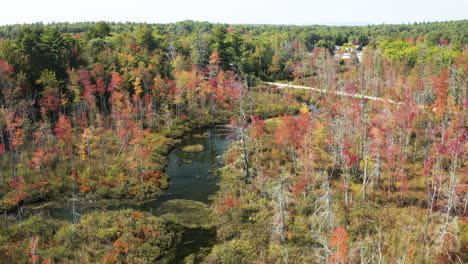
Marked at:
<point>282,85</point>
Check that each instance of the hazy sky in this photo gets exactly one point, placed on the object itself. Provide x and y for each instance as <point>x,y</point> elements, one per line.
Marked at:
<point>234,11</point>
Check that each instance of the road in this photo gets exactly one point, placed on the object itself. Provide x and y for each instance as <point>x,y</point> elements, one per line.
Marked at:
<point>373,98</point>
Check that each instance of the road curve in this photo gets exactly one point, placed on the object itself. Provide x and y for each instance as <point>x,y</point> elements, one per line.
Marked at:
<point>373,98</point>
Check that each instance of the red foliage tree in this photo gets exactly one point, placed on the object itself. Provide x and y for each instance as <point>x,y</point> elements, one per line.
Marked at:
<point>441,90</point>
<point>339,243</point>
<point>5,67</point>
<point>63,129</point>
<point>33,257</point>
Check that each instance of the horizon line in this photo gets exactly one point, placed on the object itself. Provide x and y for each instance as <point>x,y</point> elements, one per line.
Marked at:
<point>329,24</point>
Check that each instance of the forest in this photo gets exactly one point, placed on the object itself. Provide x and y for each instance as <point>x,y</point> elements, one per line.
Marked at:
<point>367,167</point>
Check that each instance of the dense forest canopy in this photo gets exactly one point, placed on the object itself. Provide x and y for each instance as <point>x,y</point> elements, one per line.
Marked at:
<point>264,51</point>
<point>367,165</point>
<point>453,30</point>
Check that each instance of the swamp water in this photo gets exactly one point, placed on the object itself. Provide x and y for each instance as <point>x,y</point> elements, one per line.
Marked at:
<point>192,181</point>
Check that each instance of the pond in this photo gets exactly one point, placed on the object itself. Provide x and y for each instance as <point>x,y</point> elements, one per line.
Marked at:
<point>192,181</point>
<point>192,177</point>
<point>191,173</point>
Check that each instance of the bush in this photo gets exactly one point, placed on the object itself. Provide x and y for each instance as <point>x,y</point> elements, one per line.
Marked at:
<point>193,148</point>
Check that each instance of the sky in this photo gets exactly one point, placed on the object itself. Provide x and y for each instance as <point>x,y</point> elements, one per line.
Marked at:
<point>297,12</point>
